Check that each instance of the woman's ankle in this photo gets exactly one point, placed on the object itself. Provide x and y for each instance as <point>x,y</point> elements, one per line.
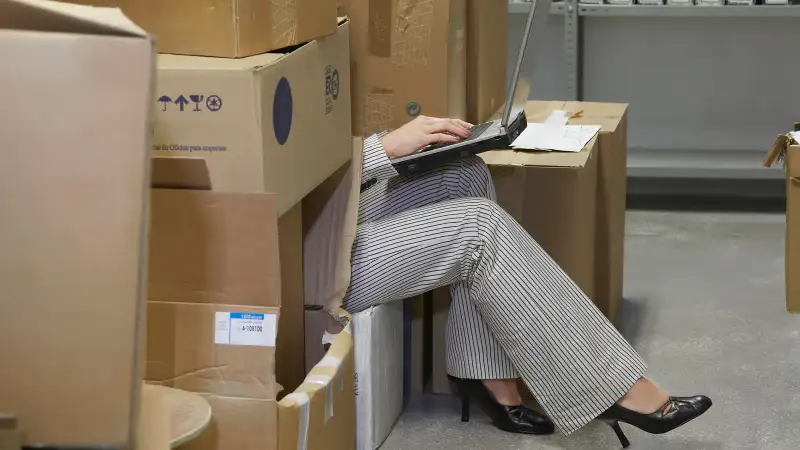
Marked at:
<point>644,397</point>
<point>505,392</point>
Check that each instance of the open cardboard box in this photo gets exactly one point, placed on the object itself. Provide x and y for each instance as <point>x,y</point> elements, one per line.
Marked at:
<point>320,414</point>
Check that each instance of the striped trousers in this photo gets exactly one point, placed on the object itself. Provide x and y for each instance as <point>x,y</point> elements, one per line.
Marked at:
<point>515,313</point>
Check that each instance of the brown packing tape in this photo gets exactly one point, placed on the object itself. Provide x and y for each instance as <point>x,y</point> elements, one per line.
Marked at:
<point>380,28</point>
<point>378,111</point>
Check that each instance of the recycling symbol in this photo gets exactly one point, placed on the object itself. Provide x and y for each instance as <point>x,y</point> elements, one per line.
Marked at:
<point>413,109</point>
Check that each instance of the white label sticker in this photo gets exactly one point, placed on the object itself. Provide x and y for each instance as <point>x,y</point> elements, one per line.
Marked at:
<point>231,328</point>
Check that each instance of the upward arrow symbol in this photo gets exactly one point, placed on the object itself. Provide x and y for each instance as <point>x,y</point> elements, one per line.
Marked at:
<point>181,102</point>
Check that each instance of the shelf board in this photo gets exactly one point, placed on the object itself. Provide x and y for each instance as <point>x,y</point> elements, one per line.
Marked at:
<point>668,10</point>
<point>689,11</point>
<point>524,8</point>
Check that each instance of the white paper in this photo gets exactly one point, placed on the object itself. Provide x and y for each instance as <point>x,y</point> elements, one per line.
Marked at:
<point>795,135</point>
<point>554,134</point>
<point>232,328</point>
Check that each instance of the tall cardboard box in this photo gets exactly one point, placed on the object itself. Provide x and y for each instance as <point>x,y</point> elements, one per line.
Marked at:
<point>231,28</point>
<point>612,188</point>
<point>787,149</point>
<point>75,171</point>
<point>214,302</point>
<point>487,41</point>
<point>409,59</point>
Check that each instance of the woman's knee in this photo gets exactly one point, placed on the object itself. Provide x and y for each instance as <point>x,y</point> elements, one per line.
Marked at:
<point>471,177</point>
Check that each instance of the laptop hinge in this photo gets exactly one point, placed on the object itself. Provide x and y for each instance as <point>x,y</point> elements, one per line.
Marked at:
<point>516,126</point>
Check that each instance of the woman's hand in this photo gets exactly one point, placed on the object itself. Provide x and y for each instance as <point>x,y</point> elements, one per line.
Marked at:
<point>423,131</point>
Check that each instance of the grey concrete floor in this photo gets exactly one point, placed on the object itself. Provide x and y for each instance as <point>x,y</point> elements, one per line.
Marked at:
<point>704,304</point>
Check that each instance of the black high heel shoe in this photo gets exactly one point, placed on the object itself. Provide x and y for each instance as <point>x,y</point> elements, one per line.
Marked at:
<point>676,412</point>
<point>513,419</point>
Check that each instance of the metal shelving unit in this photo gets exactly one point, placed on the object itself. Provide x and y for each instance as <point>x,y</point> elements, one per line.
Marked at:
<point>689,11</point>
<point>652,162</point>
<point>573,11</point>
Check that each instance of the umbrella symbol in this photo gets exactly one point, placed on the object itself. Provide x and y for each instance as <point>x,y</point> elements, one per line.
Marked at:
<point>164,100</point>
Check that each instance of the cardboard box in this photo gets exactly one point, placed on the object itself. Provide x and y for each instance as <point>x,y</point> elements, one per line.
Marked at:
<point>233,29</point>
<point>612,189</point>
<point>74,221</point>
<point>487,57</point>
<point>275,122</point>
<point>213,304</point>
<point>786,149</point>
<point>409,58</point>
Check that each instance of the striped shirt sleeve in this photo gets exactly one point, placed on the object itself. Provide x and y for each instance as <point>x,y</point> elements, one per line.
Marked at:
<point>376,164</point>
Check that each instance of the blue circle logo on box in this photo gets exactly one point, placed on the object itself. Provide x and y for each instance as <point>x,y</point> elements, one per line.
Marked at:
<point>335,84</point>
<point>413,109</point>
<point>282,111</point>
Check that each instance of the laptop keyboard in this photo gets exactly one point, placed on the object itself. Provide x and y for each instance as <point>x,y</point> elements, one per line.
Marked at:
<point>476,130</point>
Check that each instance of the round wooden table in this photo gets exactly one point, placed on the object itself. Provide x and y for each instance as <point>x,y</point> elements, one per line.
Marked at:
<point>189,413</point>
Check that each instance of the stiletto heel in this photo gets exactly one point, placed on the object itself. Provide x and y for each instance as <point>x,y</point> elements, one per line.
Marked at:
<point>620,434</point>
<point>464,407</point>
<point>514,419</point>
<point>675,413</point>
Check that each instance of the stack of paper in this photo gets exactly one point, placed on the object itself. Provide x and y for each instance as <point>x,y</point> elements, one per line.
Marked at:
<point>555,135</point>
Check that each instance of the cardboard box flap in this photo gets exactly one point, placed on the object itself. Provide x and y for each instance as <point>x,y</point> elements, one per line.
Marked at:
<point>529,158</point>
<point>183,62</point>
<point>45,15</point>
<point>331,218</point>
<point>786,150</point>
<point>607,115</point>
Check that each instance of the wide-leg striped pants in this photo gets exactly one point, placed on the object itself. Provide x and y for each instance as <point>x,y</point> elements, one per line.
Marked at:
<point>515,312</point>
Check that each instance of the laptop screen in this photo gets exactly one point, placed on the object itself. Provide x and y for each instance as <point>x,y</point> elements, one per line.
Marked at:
<point>520,88</point>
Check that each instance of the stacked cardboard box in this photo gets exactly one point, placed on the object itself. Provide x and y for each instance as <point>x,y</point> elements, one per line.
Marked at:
<point>265,130</point>
<point>73,236</point>
<point>409,59</point>
<point>233,29</point>
<point>573,204</point>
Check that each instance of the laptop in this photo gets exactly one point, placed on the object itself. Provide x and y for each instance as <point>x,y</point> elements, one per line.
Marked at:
<point>494,135</point>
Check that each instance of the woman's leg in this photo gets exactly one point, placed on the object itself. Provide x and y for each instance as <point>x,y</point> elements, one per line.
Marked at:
<point>571,358</point>
<point>472,352</point>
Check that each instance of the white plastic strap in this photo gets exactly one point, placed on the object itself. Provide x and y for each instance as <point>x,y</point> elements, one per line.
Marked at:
<point>334,363</point>
<point>304,403</point>
<point>326,382</point>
